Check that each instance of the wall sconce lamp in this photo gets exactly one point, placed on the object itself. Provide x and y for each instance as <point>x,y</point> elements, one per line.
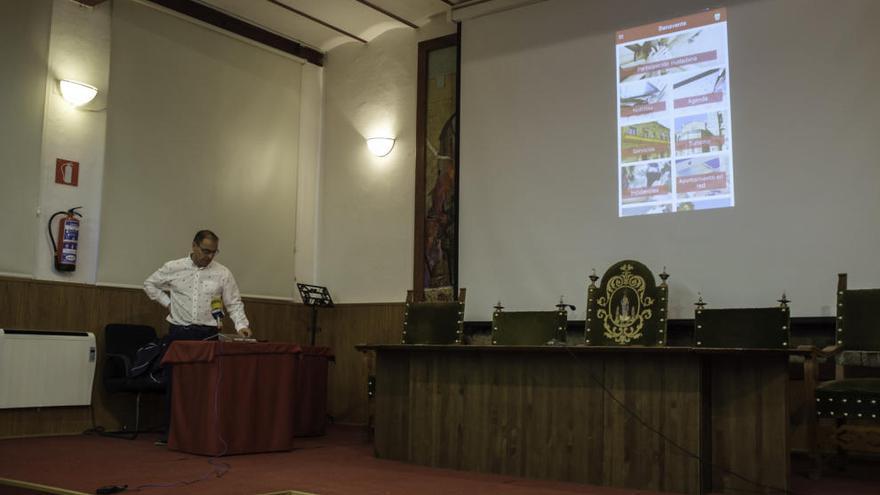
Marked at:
<point>380,146</point>
<point>77,93</point>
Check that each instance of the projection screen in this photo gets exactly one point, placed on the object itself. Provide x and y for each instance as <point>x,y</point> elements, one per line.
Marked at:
<point>540,192</point>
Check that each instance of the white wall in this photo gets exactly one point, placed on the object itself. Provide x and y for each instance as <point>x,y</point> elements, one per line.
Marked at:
<point>204,132</point>
<point>79,50</point>
<point>24,50</point>
<point>311,108</point>
<point>211,131</point>
<point>538,176</point>
<point>365,241</point>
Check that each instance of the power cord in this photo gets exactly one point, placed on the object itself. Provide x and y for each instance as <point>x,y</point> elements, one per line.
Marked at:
<point>220,468</point>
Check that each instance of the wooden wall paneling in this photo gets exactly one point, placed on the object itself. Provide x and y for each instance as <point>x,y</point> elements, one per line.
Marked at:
<point>562,418</point>
<point>279,321</point>
<point>501,380</point>
<point>466,450</point>
<point>270,319</point>
<point>11,300</point>
<point>448,419</point>
<point>663,391</point>
<point>342,327</point>
<point>48,305</point>
<point>681,382</point>
<point>392,408</point>
<point>14,297</point>
<point>749,431</point>
<point>44,421</point>
<point>480,414</point>
<point>129,306</point>
<point>424,410</point>
<point>586,418</point>
<point>495,386</point>
<point>40,305</point>
<point>540,431</point>
<point>540,416</point>
<point>512,378</point>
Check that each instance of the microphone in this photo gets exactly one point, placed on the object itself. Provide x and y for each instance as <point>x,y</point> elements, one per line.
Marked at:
<point>563,305</point>
<point>217,311</point>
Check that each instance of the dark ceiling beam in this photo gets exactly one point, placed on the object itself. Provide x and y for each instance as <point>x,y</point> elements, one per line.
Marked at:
<point>388,13</point>
<point>90,3</point>
<point>244,29</point>
<point>448,2</point>
<point>468,3</point>
<point>315,19</point>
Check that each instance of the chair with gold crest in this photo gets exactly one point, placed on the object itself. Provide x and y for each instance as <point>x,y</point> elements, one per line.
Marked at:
<point>530,327</point>
<point>627,308</point>
<point>852,399</point>
<point>437,317</point>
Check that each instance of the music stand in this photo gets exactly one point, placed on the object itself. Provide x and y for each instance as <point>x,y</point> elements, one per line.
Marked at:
<point>316,297</point>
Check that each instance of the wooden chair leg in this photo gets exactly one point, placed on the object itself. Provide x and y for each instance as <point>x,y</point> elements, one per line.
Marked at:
<point>841,458</point>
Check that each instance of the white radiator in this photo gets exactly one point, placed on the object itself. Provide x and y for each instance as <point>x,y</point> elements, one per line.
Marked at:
<point>41,369</point>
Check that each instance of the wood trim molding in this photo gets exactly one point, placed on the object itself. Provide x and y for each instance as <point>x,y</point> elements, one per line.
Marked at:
<point>241,28</point>
<point>316,20</point>
<point>388,13</point>
<point>421,136</point>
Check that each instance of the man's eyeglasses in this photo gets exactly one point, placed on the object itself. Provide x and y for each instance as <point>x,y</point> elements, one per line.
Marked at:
<point>208,252</point>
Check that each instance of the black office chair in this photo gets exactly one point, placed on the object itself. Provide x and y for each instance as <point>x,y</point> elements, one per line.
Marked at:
<point>121,343</point>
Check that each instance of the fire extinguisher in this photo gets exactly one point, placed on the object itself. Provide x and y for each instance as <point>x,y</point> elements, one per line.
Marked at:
<point>68,238</point>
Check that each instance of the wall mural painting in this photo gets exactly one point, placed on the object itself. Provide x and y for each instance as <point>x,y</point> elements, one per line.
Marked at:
<point>437,263</point>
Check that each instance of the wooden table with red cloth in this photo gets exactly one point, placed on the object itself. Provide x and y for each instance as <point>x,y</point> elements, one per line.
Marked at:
<point>232,397</point>
<point>311,391</point>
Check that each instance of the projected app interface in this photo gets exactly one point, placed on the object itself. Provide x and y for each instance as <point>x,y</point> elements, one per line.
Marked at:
<point>675,150</point>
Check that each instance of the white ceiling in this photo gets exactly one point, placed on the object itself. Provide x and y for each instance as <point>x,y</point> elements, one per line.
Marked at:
<point>352,16</point>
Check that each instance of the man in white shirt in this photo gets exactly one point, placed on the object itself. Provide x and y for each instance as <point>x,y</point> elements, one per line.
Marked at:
<point>194,289</point>
<point>193,286</point>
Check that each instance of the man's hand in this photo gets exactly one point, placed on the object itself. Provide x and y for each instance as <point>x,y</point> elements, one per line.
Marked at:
<point>245,332</point>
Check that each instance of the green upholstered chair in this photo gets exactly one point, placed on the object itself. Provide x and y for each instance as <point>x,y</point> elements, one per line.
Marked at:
<point>627,308</point>
<point>433,322</point>
<point>743,328</point>
<point>529,327</point>
<point>854,402</point>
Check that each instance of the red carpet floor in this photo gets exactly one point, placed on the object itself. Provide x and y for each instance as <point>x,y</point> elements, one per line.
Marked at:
<point>341,463</point>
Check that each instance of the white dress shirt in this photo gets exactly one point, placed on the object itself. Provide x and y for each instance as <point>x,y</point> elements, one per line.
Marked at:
<point>192,289</point>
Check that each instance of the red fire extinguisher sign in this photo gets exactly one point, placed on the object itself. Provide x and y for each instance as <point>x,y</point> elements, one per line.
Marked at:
<point>66,172</point>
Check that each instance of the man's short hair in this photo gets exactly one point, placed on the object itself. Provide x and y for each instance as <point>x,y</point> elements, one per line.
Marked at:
<point>203,234</point>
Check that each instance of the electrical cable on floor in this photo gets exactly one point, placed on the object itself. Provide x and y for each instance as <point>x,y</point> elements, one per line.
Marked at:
<point>684,450</point>
<point>220,468</point>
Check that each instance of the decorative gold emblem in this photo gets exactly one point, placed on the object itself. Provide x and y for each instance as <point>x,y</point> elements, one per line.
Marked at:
<point>624,308</point>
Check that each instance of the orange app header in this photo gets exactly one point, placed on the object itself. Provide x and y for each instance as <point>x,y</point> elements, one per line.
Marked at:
<point>713,16</point>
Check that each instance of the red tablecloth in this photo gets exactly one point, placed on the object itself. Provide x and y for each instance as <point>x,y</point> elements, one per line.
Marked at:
<point>231,397</point>
<point>311,391</point>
